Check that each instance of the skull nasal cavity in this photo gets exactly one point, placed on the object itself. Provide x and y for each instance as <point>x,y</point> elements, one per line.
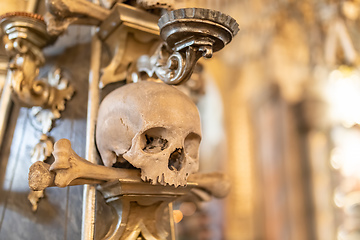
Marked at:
<point>176,160</point>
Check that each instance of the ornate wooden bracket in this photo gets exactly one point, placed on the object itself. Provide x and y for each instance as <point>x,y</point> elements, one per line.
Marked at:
<point>139,205</point>
<point>128,33</point>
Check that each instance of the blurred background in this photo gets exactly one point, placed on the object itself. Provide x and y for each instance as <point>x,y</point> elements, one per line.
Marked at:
<point>289,88</point>
<point>280,108</point>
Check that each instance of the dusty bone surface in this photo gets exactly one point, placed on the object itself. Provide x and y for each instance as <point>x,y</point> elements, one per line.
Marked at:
<point>153,127</point>
<point>71,169</point>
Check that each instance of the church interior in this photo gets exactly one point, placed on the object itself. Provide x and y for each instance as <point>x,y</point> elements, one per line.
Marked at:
<point>278,111</point>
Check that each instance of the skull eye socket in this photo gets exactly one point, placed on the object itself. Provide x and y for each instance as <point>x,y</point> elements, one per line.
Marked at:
<point>191,145</point>
<point>154,140</point>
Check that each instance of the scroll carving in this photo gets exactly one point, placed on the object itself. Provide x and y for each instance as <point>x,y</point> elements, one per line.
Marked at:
<point>188,35</point>
<point>25,36</point>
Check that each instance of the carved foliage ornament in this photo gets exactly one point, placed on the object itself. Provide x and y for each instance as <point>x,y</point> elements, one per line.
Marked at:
<point>24,37</point>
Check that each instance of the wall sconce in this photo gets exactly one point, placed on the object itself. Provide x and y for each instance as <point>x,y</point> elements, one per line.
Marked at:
<point>188,35</point>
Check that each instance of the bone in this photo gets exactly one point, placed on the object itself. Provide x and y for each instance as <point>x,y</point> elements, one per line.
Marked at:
<point>69,166</point>
<point>76,8</point>
<point>214,184</point>
<point>217,184</point>
<point>40,177</point>
<point>70,169</point>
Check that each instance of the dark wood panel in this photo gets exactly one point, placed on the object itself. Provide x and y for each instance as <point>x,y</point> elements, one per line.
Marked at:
<point>59,213</point>
<point>7,163</point>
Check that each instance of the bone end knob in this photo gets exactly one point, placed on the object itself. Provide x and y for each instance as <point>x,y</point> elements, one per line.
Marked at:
<point>62,153</point>
<point>40,177</point>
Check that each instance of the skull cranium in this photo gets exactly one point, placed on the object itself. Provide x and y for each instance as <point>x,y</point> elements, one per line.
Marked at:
<point>152,126</point>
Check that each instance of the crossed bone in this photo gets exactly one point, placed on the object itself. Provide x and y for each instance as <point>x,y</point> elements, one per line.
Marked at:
<point>70,169</point>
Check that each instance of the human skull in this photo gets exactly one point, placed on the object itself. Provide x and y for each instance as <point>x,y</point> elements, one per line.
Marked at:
<point>152,126</point>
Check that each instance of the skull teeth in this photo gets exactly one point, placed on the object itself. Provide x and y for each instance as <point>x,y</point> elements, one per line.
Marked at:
<point>161,179</point>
